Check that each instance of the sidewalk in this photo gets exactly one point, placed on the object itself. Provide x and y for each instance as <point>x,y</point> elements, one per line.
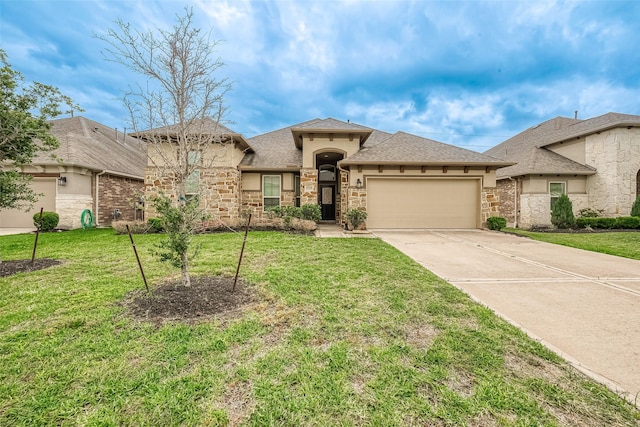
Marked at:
<point>10,231</point>
<point>334,230</point>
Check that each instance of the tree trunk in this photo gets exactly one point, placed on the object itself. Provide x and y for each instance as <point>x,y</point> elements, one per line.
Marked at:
<point>186,280</point>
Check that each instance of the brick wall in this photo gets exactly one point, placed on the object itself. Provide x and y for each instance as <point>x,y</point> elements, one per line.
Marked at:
<point>506,193</point>
<point>116,192</point>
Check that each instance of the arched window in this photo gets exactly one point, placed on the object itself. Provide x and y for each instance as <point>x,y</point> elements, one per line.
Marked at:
<point>327,173</point>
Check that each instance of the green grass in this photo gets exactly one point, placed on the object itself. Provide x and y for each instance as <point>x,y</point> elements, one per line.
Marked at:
<point>348,332</point>
<point>624,244</point>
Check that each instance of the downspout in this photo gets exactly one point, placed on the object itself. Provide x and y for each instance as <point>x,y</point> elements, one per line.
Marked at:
<point>515,202</point>
<point>96,216</point>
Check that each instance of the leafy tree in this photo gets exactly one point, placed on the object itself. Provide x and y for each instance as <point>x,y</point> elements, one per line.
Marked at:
<point>635,209</point>
<point>177,112</point>
<point>24,131</point>
<point>562,213</point>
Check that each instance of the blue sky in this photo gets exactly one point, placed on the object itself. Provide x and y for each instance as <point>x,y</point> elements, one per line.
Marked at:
<point>468,73</point>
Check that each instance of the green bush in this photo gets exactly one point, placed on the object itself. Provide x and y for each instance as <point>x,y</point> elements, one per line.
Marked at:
<point>155,225</point>
<point>49,220</point>
<point>589,213</point>
<point>496,223</point>
<point>635,209</point>
<point>596,223</point>
<point>311,212</point>
<point>355,218</point>
<point>628,222</point>
<point>562,213</point>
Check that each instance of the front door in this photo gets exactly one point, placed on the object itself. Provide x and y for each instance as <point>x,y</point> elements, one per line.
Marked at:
<point>328,202</point>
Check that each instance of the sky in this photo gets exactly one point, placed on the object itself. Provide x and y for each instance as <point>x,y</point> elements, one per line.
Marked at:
<point>467,73</point>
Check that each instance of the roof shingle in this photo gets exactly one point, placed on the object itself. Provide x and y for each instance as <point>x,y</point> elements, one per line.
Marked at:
<point>89,144</point>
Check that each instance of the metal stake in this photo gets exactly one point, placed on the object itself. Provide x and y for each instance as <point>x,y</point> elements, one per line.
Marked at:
<point>35,244</point>
<point>135,251</point>
<point>246,231</point>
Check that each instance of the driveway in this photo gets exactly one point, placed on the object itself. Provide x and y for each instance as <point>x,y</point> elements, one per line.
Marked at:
<point>583,305</point>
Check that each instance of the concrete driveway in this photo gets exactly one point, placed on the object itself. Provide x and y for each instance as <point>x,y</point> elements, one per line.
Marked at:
<point>583,305</point>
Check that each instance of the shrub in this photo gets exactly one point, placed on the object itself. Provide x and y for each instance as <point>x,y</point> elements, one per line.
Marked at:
<point>635,209</point>
<point>355,218</point>
<point>311,212</point>
<point>562,213</point>
<point>155,225</point>
<point>49,220</point>
<point>596,223</point>
<point>589,213</point>
<point>136,227</point>
<point>628,222</point>
<point>496,223</point>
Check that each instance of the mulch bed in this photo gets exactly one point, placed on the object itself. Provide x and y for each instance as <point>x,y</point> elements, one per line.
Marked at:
<point>8,268</point>
<point>208,296</point>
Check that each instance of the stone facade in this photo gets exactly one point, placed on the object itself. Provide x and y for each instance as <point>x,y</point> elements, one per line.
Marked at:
<point>69,207</point>
<point>116,192</point>
<point>220,193</point>
<point>616,156</point>
<point>308,186</point>
<point>489,204</point>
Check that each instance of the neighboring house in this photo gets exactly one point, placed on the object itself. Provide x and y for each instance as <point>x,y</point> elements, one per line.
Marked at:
<point>596,162</point>
<point>96,168</point>
<point>401,180</point>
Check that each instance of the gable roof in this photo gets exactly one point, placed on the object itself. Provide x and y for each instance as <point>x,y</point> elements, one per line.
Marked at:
<point>404,148</point>
<point>88,144</point>
<point>279,149</point>
<point>206,126</point>
<point>329,125</point>
<point>528,147</point>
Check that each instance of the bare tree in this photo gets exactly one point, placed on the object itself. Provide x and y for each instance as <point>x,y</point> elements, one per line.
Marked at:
<point>178,112</point>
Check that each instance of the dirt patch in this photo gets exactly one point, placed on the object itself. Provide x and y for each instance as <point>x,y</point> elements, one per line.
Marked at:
<point>8,268</point>
<point>208,296</point>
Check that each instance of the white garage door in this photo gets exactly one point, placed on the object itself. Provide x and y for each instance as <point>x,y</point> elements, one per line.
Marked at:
<point>19,218</point>
<point>423,203</point>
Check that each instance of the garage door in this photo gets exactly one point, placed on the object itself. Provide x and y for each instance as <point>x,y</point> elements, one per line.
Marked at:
<point>423,203</point>
<point>20,218</point>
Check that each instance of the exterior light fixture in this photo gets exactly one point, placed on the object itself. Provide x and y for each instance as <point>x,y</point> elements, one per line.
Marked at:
<point>358,183</point>
<point>62,181</point>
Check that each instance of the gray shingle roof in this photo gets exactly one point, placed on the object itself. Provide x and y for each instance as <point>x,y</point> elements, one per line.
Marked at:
<point>528,147</point>
<point>206,126</point>
<point>411,149</point>
<point>277,149</point>
<point>89,144</point>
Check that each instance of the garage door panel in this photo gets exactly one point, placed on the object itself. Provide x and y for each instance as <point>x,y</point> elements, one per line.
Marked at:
<point>422,203</point>
<point>19,218</point>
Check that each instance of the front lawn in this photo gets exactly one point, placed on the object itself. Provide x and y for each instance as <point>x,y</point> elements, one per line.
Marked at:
<point>624,244</point>
<point>346,332</point>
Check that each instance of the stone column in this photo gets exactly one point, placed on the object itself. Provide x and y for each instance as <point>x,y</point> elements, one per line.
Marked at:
<point>308,187</point>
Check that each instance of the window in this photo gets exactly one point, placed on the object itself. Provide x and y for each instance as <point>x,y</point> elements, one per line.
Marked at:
<point>192,184</point>
<point>556,189</point>
<point>296,183</point>
<point>270,191</point>
<point>327,173</point>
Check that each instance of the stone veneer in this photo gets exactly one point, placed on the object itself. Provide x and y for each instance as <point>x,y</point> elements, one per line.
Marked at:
<point>252,202</point>
<point>219,191</point>
<point>489,204</point>
<point>69,207</point>
<point>535,208</point>
<point>308,186</point>
<point>616,156</point>
<point>116,192</point>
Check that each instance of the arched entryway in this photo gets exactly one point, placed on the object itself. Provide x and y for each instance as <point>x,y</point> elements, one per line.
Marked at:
<point>328,183</point>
